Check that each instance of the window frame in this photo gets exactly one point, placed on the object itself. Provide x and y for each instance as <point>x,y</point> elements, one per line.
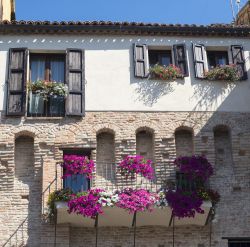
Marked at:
<point>47,77</point>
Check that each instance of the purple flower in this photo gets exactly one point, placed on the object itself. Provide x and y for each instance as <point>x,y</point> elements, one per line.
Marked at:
<point>77,164</point>
<point>195,167</point>
<point>86,204</point>
<point>136,200</point>
<point>136,164</point>
<point>184,204</point>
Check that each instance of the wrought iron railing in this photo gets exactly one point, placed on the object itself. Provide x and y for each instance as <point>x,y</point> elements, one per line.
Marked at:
<point>108,177</point>
<point>19,237</point>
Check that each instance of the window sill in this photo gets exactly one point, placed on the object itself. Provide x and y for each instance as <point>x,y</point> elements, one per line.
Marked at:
<point>44,118</point>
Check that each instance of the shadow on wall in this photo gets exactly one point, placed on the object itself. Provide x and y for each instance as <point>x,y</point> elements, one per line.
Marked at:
<point>209,94</point>
<point>150,91</point>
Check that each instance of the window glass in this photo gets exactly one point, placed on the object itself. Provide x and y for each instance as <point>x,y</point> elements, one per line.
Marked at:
<point>217,58</point>
<point>161,57</point>
<point>37,68</point>
<point>57,69</point>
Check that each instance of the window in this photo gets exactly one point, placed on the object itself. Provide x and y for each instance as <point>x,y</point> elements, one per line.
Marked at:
<point>67,68</point>
<point>205,59</point>
<point>217,58</point>
<point>161,57</point>
<point>145,57</point>
<point>48,67</point>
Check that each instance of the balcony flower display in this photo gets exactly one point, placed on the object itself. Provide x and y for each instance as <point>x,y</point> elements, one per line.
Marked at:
<point>108,198</point>
<point>48,88</point>
<point>77,164</point>
<point>170,72</point>
<point>86,204</point>
<point>184,204</point>
<point>161,200</point>
<point>209,195</point>
<point>136,164</point>
<point>62,195</point>
<point>195,167</point>
<point>223,73</point>
<point>136,200</point>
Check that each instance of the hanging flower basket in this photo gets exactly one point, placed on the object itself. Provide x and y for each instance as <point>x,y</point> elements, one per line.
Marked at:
<point>184,204</point>
<point>195,167</point>
<point>77,164</point>
<point>136,164</point>
<point>170,72</point>
<point>223,73</point>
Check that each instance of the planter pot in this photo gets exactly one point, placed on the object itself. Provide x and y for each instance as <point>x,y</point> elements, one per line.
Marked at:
<point>56,106</point>
<point>36,104</point>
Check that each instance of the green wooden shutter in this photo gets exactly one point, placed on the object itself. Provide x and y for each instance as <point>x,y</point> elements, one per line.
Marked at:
<point>238,60</point>
<point>75,79</point>
<point>180,58</point>
<point>200,60</point>
<point>16,84</point>
<point>140,60</point>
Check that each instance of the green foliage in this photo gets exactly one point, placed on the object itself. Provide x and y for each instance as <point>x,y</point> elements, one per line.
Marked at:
<point>62,195</point>
<point>223,73</point>
<point>48,88</point>
<point>170,72</point>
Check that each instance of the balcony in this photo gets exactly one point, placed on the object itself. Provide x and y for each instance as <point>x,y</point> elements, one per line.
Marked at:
<point>108,178</point>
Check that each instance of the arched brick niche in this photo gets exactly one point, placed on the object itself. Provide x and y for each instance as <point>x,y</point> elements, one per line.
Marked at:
<point>24,158</point>
<point>145,143</point>
<point>184,143</point>
<point>105,154</point>
<point>222,145</point>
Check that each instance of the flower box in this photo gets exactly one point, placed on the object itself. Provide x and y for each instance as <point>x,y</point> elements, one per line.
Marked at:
<point>36,103</point>
<point>223,73</point>
<point>56,105</point>
<point>167,73</point>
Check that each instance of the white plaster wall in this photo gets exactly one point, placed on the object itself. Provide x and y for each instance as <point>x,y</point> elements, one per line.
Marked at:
<point>110,81</point>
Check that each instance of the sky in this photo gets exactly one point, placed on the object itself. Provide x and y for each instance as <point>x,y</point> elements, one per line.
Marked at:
<point>161,11</point>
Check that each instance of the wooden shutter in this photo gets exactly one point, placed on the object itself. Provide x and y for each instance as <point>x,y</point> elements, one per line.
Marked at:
<point>16,84</point>
<point>238,59</point>
<point>180,58</point>
<point>200,60</point>
<point>75,79</point>
<point>141,60</point>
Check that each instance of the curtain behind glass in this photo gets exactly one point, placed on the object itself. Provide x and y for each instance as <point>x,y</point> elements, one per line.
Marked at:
<point>37,68</point>
<point>57,69</point>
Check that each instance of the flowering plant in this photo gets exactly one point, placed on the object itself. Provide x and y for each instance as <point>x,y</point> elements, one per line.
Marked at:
<point>77,164</point>
<point>136,164</point>
<point>224,73</point>
<point>56,196</point>
<point>48,88</point>
<point>170,72</point>
<point>195,167</point>
<point>108,199</point>
<point>183,203</point>
<point>86,203</point>
<point>161,199</point>
<point>136,200</point>
<point>209,195</point>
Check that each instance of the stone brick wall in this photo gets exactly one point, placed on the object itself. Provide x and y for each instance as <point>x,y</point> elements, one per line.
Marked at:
<point>228,151</point>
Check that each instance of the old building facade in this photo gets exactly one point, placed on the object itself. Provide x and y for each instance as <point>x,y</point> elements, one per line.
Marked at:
<point>114,109</point>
